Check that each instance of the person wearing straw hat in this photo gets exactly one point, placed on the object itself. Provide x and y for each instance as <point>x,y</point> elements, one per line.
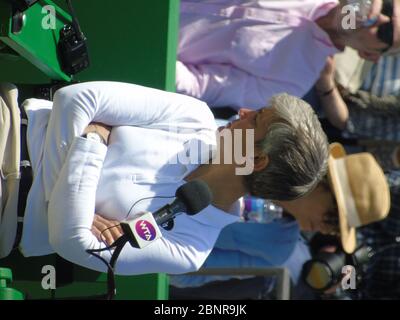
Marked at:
<point>368,204</point>
<point>355,193</point>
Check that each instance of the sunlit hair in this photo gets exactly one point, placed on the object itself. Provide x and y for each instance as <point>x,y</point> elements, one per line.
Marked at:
<point>297,150</point>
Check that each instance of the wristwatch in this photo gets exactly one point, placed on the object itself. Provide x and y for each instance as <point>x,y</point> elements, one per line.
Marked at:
<point>94,136</point>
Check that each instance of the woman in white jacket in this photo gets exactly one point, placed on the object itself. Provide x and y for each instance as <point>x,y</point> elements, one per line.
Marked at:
<point>76,177</point>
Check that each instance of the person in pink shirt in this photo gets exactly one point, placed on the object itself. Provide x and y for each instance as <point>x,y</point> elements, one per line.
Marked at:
<point>241,53</point>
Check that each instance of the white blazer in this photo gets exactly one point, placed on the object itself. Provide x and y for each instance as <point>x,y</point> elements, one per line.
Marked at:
<point>75,177</point>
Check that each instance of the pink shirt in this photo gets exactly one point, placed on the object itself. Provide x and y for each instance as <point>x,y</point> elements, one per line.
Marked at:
<point>241,53</point>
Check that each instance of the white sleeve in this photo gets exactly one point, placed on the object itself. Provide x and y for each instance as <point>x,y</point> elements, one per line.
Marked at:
<point>70,215</point>
<point>114,104</point>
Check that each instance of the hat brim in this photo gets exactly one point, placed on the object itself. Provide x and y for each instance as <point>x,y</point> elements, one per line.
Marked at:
<point>347,233</point>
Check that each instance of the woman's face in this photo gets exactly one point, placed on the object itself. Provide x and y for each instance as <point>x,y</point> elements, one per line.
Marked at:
<point>259,120</point>
<point>315,212</point>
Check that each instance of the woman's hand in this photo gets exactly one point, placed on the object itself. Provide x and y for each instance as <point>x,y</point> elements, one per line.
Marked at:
<point>332,102</point>
<point>100,128</point>
<point>105,230</point>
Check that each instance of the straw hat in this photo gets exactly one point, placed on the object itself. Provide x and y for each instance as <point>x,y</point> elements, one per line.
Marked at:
<point>361,191</point>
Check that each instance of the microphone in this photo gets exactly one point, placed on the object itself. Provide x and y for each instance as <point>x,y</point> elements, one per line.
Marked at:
<point>191,198</point>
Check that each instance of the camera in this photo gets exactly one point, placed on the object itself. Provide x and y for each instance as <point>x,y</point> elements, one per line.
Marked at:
<point>325,269</point>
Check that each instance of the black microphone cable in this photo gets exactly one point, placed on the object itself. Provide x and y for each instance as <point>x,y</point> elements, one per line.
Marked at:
<point>147,198</point>
<point>118,245</point>
<point>111,287</point>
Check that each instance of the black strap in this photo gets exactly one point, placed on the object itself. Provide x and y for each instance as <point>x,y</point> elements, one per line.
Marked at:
<point>25,182</point>
<point>75,21</point>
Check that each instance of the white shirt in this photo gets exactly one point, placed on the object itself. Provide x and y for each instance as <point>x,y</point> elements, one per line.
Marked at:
<point>75,177</point>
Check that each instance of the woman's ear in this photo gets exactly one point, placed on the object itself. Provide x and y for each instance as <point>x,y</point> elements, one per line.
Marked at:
<point>261,161</point>
<point>243,112</point>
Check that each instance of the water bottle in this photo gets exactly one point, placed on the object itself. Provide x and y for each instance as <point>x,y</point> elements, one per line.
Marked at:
<point>362,9</point>
<point>260,210</point>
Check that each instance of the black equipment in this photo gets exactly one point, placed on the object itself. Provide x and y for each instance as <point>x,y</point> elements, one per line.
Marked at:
<point>325,269</point>
<point>72,46</point>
